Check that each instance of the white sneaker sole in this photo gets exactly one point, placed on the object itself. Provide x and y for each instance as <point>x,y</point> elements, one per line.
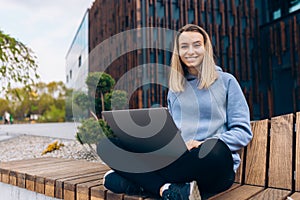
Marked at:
<point>194,192</point>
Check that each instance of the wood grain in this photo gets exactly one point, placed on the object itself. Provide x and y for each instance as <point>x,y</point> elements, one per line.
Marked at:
<point>295,196</point>
<point>272,194</point>
<point>239,172</point>
<point>297,186</point>
<point>234,186</point>
<point>281,148</point>
<point>243,192</point>
<point>98,193</point>
<point>255,171</point>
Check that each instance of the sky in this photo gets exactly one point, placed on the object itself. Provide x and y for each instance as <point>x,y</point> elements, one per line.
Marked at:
<point>47,27</point>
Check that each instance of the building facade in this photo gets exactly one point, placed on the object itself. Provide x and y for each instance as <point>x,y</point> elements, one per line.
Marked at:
<point>255,40</point>
<point>77,57</point>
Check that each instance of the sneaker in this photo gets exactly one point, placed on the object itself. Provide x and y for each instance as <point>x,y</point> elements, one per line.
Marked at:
<point>186,191</point>
<point>118,184</point>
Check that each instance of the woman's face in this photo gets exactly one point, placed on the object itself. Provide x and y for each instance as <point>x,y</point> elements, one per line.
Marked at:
<point>191,49</point>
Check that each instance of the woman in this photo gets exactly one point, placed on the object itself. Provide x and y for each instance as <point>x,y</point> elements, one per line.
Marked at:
<point>210,109</point>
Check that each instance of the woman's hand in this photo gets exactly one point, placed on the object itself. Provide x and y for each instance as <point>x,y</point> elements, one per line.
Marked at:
<point>193,144</point>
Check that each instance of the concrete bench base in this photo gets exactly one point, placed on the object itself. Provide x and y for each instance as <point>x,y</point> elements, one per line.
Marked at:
<point>10,192</point>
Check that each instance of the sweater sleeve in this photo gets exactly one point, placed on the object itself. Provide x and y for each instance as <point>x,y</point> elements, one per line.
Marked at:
<point>238,132</point>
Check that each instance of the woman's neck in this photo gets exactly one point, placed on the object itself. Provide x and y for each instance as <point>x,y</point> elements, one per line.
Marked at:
<point>193,71</point>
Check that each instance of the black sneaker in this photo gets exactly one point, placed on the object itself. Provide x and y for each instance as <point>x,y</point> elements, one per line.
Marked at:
<point>117,184</point>
<point>186,191</point>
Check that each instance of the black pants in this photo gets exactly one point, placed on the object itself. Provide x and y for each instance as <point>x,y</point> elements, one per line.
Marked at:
<point>210,164</point>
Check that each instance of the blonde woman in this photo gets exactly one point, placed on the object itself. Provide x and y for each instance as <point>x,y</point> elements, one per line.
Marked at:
<point>209,108</point>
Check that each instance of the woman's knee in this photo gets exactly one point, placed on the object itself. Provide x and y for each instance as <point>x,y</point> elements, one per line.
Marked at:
<point>214,148</point>
<point>111,181</point>
<point>216,155</point>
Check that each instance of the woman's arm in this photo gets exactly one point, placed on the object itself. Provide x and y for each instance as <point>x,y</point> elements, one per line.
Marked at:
<point>239,132</point>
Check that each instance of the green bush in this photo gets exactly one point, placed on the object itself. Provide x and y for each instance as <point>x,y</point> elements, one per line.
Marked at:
<point>53,115</point>
<point>92,131</point>
<point>116,100</point>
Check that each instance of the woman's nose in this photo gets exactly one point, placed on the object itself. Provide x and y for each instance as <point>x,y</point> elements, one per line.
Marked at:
<point>190,50</point>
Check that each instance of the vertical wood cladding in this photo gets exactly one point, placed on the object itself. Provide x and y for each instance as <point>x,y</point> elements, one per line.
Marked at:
<point>235,31</point>
<point>281,55</point>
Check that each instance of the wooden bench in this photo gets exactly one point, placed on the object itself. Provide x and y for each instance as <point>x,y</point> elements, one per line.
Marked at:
<point>270,169</point>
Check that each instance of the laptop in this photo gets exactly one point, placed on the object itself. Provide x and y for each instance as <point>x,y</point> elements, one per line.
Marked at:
<point>146,130</point>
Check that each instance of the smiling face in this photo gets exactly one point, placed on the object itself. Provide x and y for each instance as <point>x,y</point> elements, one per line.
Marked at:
<point>191,50</point>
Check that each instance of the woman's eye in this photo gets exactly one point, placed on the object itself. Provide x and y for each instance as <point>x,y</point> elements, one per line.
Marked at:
<point>183,47</point>
<point>197,45</point>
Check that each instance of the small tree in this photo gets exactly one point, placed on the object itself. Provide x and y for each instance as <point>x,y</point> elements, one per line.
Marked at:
<point>100,91</point>
<point>99,83</point>
<point>116,100</point>
<point>95,133</point>
<point>81,105</point>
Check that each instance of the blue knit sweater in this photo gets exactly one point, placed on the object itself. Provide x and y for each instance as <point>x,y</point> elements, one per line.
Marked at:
<point>221,111</point>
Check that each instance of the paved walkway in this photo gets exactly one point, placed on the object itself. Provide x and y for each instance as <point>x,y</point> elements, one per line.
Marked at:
<point>58,130</point>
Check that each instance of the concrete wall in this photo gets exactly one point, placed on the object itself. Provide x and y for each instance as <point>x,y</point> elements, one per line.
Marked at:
<point>9,192</point>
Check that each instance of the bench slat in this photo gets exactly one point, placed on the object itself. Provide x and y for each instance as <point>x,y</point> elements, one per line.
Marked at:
<point>297,152</point>
<point>270,193</point>
<point>255,171</point>
<point>84,188</point>
<point>98,192</point>
<point>241,193</point>
<point>50,182</point>
<point>126,197</point>
<point>113,196</point>
<point>59,183</point>
<point>70,186</point>
<point>239,172</point>
<point>61,168</point>
<point>296,196</point>
<point>30,174</point>
<point>234,186</point>
<point>281,149</point>
<point>26,162</point>
<point>11,170</point>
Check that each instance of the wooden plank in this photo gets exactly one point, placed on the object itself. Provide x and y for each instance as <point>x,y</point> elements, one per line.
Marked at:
<point>7,168</point>
<point>25,162</point>
<point>50,181</point>
<point>255,171</point>
<point>30,174</point>
<point>132,197</point>
<point>29,182</point>
<point>242,192</point>
<point>69,186</point>
<point>270,193</point>
<point>234,186</point>
<point>98,192</point>
<point>59,183</point>
<point>297,185</point>
<point>113,196</point>
<point>33,165</point>
<point>4,175</point>
<point>295,196</point>
<point>59,169</point>
<point>281,146</point>
<point>34,175</point>
<point>239,172</point>
<point>83,189</point>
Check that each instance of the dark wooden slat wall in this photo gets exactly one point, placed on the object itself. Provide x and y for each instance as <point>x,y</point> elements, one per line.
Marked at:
<point>280,54</point>
<point>237,38</point>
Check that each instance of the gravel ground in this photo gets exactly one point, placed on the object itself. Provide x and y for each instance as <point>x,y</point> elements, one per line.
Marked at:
<point>25,147</point>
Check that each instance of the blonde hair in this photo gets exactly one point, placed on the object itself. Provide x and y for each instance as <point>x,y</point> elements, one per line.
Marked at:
<point>207,70</point>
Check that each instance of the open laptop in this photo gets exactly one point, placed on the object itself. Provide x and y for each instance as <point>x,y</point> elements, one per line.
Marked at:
<point>146,130</point>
